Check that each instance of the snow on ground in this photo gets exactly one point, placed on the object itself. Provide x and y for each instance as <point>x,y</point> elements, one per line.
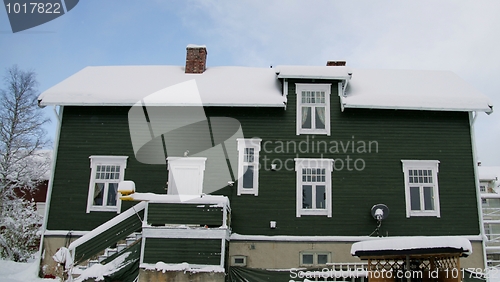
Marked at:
<point>21,272</point>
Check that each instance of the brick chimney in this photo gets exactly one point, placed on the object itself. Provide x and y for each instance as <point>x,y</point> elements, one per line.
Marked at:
<point>196,58</point>
<point>335,63</point>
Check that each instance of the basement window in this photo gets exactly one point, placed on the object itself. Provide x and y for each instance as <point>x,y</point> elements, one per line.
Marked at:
<point>106,173</point>
<point>314,258</point>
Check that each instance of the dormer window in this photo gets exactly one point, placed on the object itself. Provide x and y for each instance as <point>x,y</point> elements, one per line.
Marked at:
<point>313,108</point>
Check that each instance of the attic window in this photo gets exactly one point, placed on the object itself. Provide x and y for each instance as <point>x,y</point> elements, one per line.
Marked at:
<point>313,108</point>
<point>106,173</point>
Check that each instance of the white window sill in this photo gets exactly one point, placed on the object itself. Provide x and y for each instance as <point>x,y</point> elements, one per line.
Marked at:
<point>317,132</point>
<point>103,209</point>
<point>248,191</point>
<point>313,212</point>
<point>423,213</point>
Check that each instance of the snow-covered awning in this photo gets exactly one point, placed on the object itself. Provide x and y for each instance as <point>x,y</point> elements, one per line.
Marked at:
<point>412,245</point>
<point>412,90</point>
<point>313,72</point>
<point>127,85</point>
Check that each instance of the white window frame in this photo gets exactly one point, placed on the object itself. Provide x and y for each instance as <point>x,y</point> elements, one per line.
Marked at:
<point>428,165</point>
<point>326,164</point>
<point>299,87</point>
<point>244,143</point>
<point>315,258</point>
<point>103,161</point>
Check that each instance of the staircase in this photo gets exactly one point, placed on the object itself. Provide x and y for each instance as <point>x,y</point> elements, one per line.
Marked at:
<point>112,260</point>
<point>109,253</point>
<point>106,243</point>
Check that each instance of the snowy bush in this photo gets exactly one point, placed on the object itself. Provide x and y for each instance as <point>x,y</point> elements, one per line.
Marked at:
<point>19,230</point>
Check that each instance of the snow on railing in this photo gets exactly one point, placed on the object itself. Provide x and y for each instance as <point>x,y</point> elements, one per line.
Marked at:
<point>107,225</point>
<point>76,246</point>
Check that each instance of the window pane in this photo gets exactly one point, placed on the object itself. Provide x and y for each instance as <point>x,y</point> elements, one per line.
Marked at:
<point>415,198</point>
<point>428,199</point>
<point>307,259</point>
<point>320,197</point>
<point>320,118</point>
<point>98,194</point>
<point>248,176</point>
<point>322,259</point>
<point>307,197</point>
<point>112,191</point>
<point>306,117</point>
<point>249,155</point>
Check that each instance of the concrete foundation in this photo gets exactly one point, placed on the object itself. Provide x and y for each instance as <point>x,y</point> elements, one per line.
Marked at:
<point>50,246</point>
<point>285,255</point>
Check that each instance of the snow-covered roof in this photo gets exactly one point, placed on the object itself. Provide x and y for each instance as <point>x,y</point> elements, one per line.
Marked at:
<point>260,87</point>
<point>412,90</point>
<point>403,244</point>
<point>127,85</point>
<point>488,173</point>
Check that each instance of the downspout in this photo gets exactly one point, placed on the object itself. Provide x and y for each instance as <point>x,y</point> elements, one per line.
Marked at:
<point>51,180</point>
<point>472,120</point>
<point>285,91</point>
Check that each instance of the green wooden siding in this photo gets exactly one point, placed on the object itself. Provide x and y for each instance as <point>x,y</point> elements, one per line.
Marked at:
<point>193,251</point>
<point>425,135</point>
<point>90,131</point>
<point>160,214</point>
<point>400,134</point>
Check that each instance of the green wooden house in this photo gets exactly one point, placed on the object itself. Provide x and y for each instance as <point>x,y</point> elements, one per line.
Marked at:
<point>241,172</point>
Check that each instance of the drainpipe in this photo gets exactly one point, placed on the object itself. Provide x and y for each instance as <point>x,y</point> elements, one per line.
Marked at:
<point>51,180</point>
<point>472,120</point>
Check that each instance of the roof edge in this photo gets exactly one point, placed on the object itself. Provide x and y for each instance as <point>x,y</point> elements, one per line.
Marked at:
<point>354,106</point>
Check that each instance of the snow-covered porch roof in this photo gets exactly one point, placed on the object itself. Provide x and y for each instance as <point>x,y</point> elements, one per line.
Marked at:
<point>402,246</point>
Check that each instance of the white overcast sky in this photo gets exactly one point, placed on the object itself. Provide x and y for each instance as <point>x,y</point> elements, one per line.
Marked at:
<point>461,36</point>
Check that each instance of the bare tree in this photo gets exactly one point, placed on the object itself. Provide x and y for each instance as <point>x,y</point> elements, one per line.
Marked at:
<point>22,138</point>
